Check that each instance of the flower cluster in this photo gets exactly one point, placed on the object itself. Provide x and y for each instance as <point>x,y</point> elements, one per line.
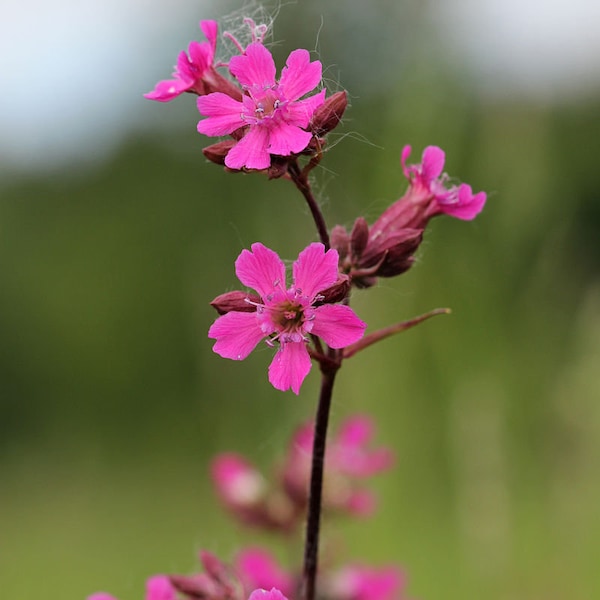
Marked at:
<point>280,505</point>
<point>267,118</point>
<point>279,126</point>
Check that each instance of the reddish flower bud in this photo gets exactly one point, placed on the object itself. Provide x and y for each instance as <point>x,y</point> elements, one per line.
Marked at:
<point>236,300</point>
<point>328,116</point>
<point>359,237</point>
<point>217,152</point>
<point>337,292</point>
<point>340,241</point>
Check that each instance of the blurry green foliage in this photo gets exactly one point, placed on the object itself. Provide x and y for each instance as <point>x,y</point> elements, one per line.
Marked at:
<point>113,402</point>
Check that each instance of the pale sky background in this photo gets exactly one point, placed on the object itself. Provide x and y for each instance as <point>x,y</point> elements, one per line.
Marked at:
<point>68,67</point>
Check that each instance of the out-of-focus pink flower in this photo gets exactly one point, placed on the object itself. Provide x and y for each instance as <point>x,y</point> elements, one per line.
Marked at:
<point>358,582</point>
<point>238,483</point>
<point>286,316</point>
<point>349,458</point>
<point>273,594</point>
<point>195,71</point>
<point>158,587</point>
<point>218,582</point>
<point>274,117</point>
<point>427,180</point>
<point>258,569</point>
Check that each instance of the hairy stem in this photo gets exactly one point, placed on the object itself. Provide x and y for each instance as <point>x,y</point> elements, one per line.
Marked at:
<point>313,521</point>
<point>300,179</point>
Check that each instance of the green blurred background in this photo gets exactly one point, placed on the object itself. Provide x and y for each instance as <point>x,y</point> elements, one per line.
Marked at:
<point>112,402</point>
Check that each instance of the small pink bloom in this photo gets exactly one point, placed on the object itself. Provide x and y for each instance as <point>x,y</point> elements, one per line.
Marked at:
<point>349,458</point>
<point>366,583</point>
<point>159,587</point>
<point>193,70</point>
<point>238,483</point>
<point>286,316</point>
<point>273,594</point>
<point>275,117</point>
<point>258,569</point>
<point>427,179</point>
<point>101,596</point>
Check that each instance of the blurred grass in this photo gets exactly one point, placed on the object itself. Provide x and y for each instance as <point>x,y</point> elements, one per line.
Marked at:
<point>112,401</point>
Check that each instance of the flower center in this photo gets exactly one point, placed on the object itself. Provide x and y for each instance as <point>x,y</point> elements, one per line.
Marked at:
<point>266,105</point>
<point>288,316</point>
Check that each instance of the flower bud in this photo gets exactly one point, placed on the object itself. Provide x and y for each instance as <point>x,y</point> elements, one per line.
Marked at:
<point>328,116</point>
<point>237,301</point>
<point>340,241</point>
<point>217,152</point>
<point>337,292</point>
<point>359,237</point>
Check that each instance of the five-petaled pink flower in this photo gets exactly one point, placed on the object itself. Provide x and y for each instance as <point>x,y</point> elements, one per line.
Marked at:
<point>427,178</point>
<point>191,70</point>
<point>286,316</point>
<point>271,111</point>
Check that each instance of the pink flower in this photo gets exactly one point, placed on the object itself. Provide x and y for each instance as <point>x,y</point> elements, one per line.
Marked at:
<point>286,316</point>
<point>366,583</point>
<point>238,483</point>
<point>349,458</point>
<point>273,594</point>
<point>275,118</point>
<point>428,180</point>
<point>158,587</point>
<point>258,569</point>
<point>194,71</point>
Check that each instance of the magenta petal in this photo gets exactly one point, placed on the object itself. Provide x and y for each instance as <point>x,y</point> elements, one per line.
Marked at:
<point>101,596</point>
<point>300,76</point>
<point>286,139</point>
<point>201,57</point>
<point>210,30</point>
<point>254,68</point>
<point>251,151</point>
<point>273,594</point>
<point>258,569</point>
<point>356,431</point>
<point>403,158</point>
<point>315,269</point>
<point>262,270</point>
<point>289,367</point>
<point>237,334</point>
<point>159,588</point>
<point>469,205</point>
<point>337,325</point>
<point>433,162</point>
<point>166,90</point>
<point>223,112</point>
<point>300,113</point>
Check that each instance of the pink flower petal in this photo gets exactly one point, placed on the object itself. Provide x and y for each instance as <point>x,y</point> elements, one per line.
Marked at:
<point>166,90</point>
<point>201,57</point>
<point>356,431</point>
<point>315,269</point>
<point>433,162</point>
<point>273,594</point>
<point>251,151</point>
<point>286,139</point>
<point>258,569</point>
<point>468,206</point>
<point>300,113</point>
<point>337,325</point>
<point>210,30</point>
<point>255,68</point>
<point>236,333</point>
<point>159,588</point>
<point>101,596</point>
<point>403,158</point>
<point>260,269</point>
<point>300,76</point>
<point>223,112</point>
<point>290,366</point>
